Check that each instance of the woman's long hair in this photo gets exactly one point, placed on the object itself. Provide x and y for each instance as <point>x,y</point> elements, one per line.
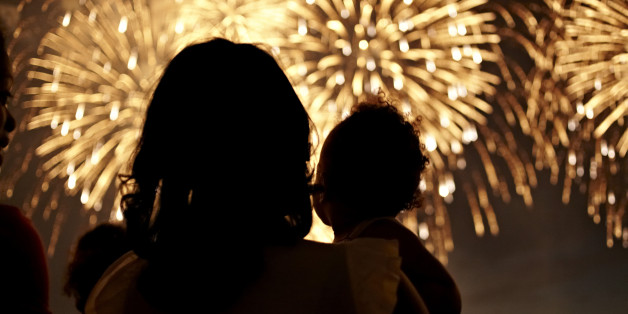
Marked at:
<point>221,171</point>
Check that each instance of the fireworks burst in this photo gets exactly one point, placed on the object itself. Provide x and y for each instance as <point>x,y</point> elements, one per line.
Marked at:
<point>29,31</point>
<point>593,59</point>
<point>548,94</point>
<point>237,20</point>
<point>85,93</point>
<point>89,87</point>
<point>535,100</point>
<point>429,56</point>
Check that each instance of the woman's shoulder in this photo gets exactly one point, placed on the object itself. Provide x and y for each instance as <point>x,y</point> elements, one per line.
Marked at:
<point>359,276</point>
<point>391,229</point>
<point>375,245</point>
<point>382,227</point>
<point>116,291</point>
<point>361,250</point>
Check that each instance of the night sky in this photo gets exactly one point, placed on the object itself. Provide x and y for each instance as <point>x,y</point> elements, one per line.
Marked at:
<point>550,258</point>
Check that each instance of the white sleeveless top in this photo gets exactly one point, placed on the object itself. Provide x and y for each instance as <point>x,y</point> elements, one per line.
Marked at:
<point>360,276</point>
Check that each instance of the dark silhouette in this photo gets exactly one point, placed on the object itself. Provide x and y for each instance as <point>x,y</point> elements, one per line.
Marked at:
<point>95,250</point>
<point>217,202</point>
<point>369,171</point>
<point>24,286</point>
<point>7,122</point>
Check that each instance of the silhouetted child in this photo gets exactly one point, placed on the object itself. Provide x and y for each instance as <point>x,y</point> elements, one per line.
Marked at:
<point>369,170</point>
<point>95,251</point>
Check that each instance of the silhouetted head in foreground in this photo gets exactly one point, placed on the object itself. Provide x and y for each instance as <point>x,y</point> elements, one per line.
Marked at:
<point>220,172</point>
<point>370,166</point>
<point>7,122</point>
<point>96,250</point>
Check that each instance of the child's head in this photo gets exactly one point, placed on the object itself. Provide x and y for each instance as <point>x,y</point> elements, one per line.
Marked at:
<point>370,165</point>
<point>96,250</point>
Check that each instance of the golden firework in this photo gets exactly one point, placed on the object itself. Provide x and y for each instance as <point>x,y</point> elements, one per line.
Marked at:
<point>429,56</point>
<point>31,28</point>
<point>86,91</point>
<point>533,96</point>
<point>89,87</point>
<point>593,60</point>
<point>237,20</point>
<point>547,107</point>
<point>21,161</point>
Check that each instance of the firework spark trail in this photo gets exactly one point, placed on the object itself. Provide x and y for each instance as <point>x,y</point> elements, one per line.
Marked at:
<point>237,20</point>
<point>30,29</point>
<point>27,34</point>
<point>552,114</point>
<point>534,100</point>
<point>89,87</point>
<point>593,59</point>
<point>429,56</point>
<point>21,157</point>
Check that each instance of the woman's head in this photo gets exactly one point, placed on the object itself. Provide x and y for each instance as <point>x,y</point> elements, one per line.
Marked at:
<point>221,170</point>
<point>226,139</point>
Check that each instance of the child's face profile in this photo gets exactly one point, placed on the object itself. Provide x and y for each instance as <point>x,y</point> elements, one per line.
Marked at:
<point>319,201</point>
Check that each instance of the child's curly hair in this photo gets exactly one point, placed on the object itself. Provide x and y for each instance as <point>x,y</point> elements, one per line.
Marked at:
<point>374,159</point>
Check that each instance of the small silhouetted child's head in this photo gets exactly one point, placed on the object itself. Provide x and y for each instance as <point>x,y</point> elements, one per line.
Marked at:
<point>96,250</point>
<point>370,165</point>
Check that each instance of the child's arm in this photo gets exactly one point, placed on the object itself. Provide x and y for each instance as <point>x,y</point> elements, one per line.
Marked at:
<point>429,276</point>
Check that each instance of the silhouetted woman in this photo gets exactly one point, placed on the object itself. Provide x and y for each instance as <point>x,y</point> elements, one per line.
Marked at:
<point>219,202</point>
